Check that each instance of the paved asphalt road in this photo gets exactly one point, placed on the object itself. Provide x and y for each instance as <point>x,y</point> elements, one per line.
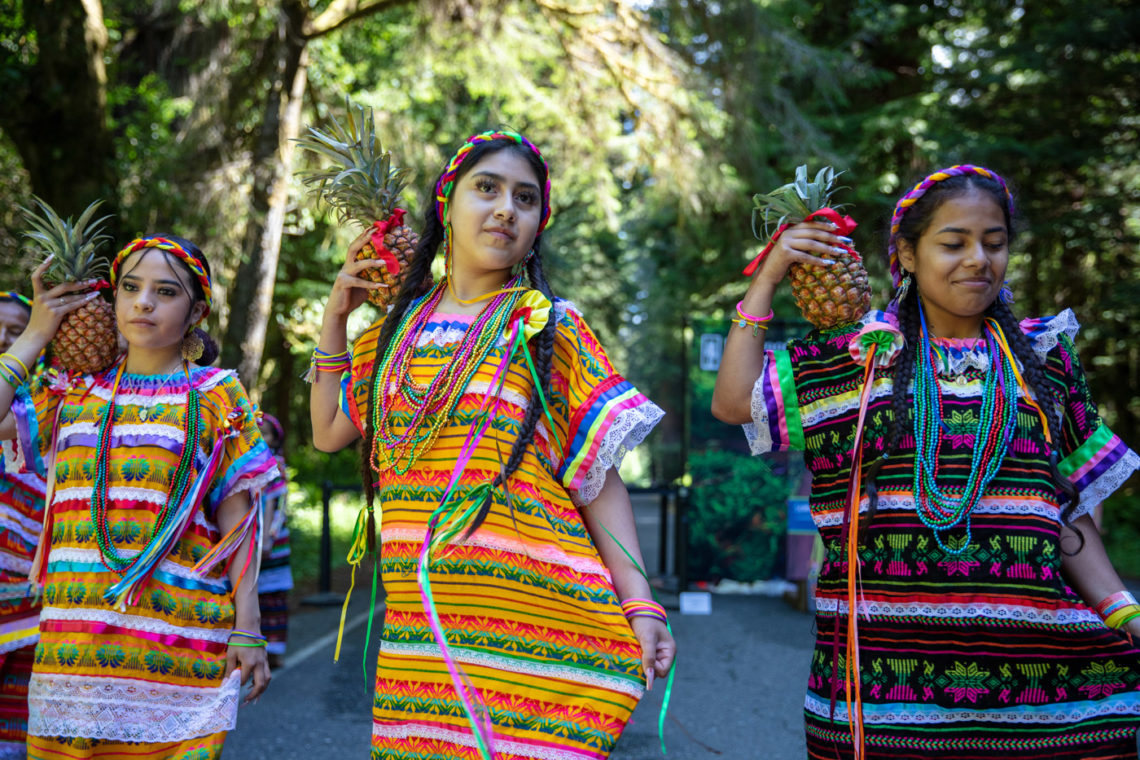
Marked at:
<point>741,674</point>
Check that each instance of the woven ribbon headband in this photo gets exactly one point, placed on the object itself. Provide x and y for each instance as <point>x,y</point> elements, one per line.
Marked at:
<point>918,191</point>
<point>11,295</point>
<point>446,182</point>
<point>171,247</point>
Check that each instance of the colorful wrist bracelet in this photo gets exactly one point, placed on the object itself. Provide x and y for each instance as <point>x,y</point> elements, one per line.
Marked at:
<point>247,634</point>
<point>325,362</point>
<point>5,356</point>
<point>756,326</point>
<point>9,374</point>
<point>1118,617</point>
<point>251,644</point>
<point>750,318</point>
<point>643,608</point>
<point>1113,602</point>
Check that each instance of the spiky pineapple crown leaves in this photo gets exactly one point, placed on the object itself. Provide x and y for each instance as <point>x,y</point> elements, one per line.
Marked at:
<point>362,184</point>
<point>795,201</point>
<point>74,244</point>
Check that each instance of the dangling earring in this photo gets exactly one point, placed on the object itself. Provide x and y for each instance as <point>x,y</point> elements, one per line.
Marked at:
<point>904,289</point>
<point>1005,295</point>
<point>192,346</point>
<point>447,250</point>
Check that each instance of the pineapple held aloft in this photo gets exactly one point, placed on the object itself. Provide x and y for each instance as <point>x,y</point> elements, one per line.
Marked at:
<point>827,296</point>
<point>364,187</point>
<point>87,340</point>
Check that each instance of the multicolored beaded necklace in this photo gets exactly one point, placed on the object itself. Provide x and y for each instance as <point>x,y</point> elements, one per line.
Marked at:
<point>180,484</point>
<point>996,422</point>
<point>432,404</point>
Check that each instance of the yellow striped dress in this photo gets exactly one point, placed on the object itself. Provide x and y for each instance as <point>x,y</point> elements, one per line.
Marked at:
<point>144,680</point>
<point>526,603</point>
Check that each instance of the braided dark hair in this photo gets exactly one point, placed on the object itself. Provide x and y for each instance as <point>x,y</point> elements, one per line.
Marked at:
<point>431,239</point>
<point>912,226</point>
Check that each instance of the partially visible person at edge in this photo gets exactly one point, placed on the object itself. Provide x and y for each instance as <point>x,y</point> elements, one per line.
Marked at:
<point>21,519</point>
<point>527,574</point>
<point>155,465</point>
<point>990,622</point>
<point>276,578</point>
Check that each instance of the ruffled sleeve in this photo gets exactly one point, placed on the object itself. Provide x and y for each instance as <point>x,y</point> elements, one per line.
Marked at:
<point>354,383</point>
<point>601,417</point>
<point>1094,459</point>
<point>246,463</point>
<point>799,379</point>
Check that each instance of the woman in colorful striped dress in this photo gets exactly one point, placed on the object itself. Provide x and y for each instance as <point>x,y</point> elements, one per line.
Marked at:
<point>21,518</point>
<point>152,468</point>
<point>275,580</point>
<point>990,623</point>
<point>502,518</point>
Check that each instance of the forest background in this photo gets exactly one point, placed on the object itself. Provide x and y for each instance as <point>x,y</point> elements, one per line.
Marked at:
<point>659,119</point>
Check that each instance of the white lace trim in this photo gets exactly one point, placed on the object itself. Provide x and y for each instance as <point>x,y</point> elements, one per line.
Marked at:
<point>1065,322</point>
<point>957,611</point>
<point>758,432</point>
<point>126,395</point>
<point>11,562</point>
<point>988,505</point>
<point>115,494</point>
<point>150,429</point>
<point>467,739</point>
<point>1110,480</point>
<point>627,430</point>
<point>595,678</point>
<point>548,553</point>
<point>127,709</point>
<point>134,622</point>
<point>913,714</point>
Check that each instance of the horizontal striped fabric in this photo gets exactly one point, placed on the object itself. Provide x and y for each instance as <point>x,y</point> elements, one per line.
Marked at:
<point>982,654</point>
<point>526,603</point>
<point>155,665</point>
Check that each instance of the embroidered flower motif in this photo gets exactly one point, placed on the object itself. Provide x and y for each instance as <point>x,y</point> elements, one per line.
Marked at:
<point>1103,679</point>
<point>885,338</point>
<point>534,308</point>
<point>967,681</point>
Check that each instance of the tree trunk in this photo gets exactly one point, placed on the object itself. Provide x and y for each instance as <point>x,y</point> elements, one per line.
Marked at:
<point>252,293</point>
<point>55,111</point>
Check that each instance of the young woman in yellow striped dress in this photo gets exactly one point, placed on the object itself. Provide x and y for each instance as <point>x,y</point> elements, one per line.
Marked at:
<point>518,623</point>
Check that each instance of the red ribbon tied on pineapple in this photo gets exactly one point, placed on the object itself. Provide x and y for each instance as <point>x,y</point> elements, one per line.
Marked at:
<point>379,230</point>
<point>845,225</point>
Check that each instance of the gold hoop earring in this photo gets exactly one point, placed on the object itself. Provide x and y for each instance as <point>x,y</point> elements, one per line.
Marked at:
<point>192,346</point>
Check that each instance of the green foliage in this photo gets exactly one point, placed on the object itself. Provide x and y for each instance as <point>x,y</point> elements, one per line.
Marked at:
<point>737,516</point>
<point>1121,531</point>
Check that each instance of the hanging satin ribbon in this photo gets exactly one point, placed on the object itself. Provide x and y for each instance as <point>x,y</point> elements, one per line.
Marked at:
<point>873,343</point>
<point>844,226</point>
<point>379,230</point>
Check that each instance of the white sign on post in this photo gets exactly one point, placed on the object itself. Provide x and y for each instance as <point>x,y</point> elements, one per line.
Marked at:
<point>712,348</point>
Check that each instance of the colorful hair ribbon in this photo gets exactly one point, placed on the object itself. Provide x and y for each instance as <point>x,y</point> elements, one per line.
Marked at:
<point>446,181</point>
<point>13,296</point>
<point>196,266</point>
<point>918,191</point>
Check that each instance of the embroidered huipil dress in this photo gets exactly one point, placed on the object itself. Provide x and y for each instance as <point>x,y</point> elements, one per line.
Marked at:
<point>526,603</point>
<point>21,518</point>
<point>986,653</point>
<point>144,680</point>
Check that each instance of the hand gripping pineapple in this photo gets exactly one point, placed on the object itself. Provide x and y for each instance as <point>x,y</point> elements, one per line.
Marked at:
<point>827,297</point>
<point>365,188</point>
<point>87,339</point>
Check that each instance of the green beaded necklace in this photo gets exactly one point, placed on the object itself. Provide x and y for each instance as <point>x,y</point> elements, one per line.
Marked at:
<point>180,484</point>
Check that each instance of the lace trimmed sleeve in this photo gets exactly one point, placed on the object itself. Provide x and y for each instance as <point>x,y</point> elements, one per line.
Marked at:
<point>605,416</point>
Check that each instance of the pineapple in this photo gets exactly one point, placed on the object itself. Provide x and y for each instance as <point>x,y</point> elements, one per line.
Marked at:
<point>827,296</point>
<point>364,187</point>
<point>87,340</point>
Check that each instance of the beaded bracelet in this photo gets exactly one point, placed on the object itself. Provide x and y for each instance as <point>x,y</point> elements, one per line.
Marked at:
<point>4,356</point>
<point>1114,602</point>
<point>634,607</point>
